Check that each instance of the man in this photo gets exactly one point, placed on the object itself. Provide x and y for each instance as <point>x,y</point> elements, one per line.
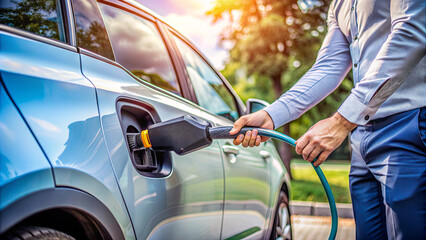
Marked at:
<point>384,43</point>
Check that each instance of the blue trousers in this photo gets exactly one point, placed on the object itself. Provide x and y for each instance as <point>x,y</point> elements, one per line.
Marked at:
<point>388,177</point>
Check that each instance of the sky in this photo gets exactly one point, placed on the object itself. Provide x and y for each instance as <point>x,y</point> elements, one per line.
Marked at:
<point>189,18</point>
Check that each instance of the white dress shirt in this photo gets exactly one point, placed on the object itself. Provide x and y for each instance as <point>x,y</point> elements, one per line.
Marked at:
<point>384,41</point>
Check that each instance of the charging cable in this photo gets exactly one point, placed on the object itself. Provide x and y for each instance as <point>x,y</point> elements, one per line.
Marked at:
<point>187,134</point>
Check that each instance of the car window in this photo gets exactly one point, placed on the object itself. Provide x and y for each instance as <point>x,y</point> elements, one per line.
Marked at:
<point>90,28</point>
<point>138,46</point>
<point>40,17</point>
<point>209,89</point>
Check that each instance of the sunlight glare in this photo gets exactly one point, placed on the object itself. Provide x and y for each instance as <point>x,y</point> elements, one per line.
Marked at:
<point>203,5</point>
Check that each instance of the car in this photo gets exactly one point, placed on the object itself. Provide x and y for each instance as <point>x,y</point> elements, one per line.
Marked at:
<point>76,77</point>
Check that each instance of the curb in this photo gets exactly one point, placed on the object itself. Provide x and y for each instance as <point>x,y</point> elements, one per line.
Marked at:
<point>320,209</point>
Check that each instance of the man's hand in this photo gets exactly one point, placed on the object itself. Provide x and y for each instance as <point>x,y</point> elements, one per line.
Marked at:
<point>258,119</point>
<point>323,138</point>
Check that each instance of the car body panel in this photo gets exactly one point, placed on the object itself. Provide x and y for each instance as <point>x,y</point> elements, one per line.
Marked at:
<point>246,173</point>
<point>247,191</point>
<point>279,180</point>
<point>159,206</point>
<point>62,103</point>
<point>23,166</point>
<point>60,107</point>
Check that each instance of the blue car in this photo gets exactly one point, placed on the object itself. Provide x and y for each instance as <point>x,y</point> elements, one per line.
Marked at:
<point>76,77</point>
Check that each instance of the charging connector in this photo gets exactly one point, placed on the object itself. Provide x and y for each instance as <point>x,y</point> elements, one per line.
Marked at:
<point>181,135</point>
<point>187,134</point>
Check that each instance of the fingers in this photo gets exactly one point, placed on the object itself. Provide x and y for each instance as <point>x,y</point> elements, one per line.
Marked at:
<point>322,157</point>
<point>247,139</point>
<point>239,139</point>
<point>250,139</point>
<point>253,138</point>
<point>241,122</point>
<point>307,151</point>
<point>258,119</point>
<point>301,143</point>
<point>317,151</point>
<point>258,141</point>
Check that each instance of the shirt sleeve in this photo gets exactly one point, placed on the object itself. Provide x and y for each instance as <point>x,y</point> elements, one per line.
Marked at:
<point>330,68</point>
<point>401,52</point>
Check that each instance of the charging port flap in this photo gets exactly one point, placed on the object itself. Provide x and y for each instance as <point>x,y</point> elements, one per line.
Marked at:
<point>136,116</point>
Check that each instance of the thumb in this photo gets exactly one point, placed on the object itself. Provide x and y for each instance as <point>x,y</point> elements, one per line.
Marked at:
<point>241,122</point>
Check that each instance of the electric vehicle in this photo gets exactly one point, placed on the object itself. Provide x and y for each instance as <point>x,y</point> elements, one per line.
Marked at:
<point>77,76</point>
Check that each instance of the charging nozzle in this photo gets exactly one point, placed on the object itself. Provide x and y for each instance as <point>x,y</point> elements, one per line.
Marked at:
<point>187,134</point>
<point>181,135</point>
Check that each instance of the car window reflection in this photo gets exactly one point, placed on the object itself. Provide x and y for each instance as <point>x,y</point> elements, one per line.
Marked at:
<point>90,29</point>
<point>208,87</point>
<point>139,47</point>
<point>39,17</point>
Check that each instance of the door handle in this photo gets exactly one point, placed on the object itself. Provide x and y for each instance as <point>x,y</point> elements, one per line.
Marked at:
<point>264,154</point>
<point>231,152</point>
<point>228,149</point>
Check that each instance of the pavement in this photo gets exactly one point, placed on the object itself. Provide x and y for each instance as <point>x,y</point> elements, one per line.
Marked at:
<point>319,209</point>
<point>318,227</point>
<point>312,221</point>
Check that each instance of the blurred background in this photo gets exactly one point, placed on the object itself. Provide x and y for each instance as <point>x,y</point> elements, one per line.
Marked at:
<point>263,47</point>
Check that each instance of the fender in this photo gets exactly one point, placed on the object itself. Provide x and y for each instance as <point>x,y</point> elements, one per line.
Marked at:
<point>60,198</point>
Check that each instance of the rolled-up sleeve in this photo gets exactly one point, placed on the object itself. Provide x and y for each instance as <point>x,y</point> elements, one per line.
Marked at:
<point>401,52</point>
<point>331,66</point>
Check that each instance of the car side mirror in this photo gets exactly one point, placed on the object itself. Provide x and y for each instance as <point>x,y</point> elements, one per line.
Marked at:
<point>254,105</point>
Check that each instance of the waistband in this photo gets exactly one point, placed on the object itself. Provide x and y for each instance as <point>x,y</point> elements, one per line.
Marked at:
<point>392,119</point>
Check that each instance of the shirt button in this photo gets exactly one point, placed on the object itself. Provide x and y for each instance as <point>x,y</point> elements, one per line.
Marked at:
<point>356,37</point>
<point>352,8</point>
<point>366,117</point>
<point>355,65</point>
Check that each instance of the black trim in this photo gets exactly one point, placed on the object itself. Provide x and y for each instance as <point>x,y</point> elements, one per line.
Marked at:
<point>181,61</point>
<point>128,8</point>
<point>147,84</point>
<point>99,57</point>
<point>186,84</point>
<point>60,198</point>
<point>33,36</point>
<point>186,87</point>
<point>238,103</point>
<point>68,20</point>
<point>146,115</point>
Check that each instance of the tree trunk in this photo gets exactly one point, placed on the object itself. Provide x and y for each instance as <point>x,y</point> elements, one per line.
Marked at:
<point>284,149</point>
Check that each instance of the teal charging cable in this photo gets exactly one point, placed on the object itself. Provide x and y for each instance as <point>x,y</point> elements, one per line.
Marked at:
<point>223,133</point>
<point>187,134</point>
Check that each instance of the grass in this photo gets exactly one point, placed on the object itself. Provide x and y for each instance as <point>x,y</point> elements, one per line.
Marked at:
<point>307,187</point>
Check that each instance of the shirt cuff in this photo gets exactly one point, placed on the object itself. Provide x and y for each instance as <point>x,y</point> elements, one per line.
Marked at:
<point>279,113</point>
<point>355,111</point>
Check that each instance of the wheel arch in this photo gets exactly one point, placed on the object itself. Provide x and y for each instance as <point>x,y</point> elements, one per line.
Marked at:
<point>64,208</point>
<point>286,189</point>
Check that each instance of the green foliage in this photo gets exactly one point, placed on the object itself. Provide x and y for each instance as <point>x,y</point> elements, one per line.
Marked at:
<point>274,44</point>
<point>306,185</point>
<point>37,16</point>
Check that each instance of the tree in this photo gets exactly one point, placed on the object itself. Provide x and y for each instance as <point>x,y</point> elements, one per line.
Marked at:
<point>37,16</point>
<point>274,43</point>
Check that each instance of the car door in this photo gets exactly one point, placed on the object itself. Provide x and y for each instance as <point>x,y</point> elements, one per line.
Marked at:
<point>247,187</point>
<point>167,196</point>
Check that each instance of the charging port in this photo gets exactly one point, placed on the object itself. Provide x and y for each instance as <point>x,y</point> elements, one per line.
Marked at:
<point>134,117</point>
